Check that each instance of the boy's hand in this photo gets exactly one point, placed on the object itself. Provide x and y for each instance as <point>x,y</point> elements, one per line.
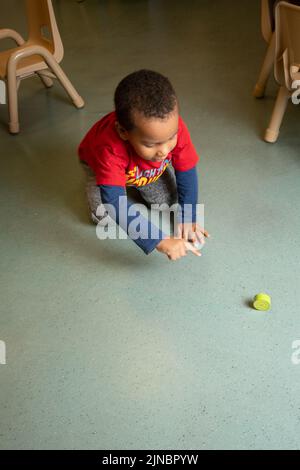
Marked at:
<point>192,232</point>
<point>176,248</point>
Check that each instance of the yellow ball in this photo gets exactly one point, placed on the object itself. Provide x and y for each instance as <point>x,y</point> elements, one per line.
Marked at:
<point>262,302</point>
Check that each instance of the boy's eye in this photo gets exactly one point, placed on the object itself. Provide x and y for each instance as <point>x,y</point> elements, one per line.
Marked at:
<point>153,145</point>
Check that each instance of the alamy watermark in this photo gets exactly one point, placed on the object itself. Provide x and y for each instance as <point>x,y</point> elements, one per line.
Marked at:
<point>296,93</point>
<point>2,353</point>
<point>139,223</point>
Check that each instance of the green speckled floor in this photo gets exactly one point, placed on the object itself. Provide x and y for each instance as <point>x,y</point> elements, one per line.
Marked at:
<point>108,348</point>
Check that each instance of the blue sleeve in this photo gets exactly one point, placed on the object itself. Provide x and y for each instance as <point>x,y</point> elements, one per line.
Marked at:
<point>187,189</point>
<point>116,197</point>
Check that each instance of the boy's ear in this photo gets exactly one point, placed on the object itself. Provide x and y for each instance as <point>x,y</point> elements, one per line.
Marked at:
<point>121,131</point>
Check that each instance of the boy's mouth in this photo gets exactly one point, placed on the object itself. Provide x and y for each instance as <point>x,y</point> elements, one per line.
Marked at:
<point>158,159</point>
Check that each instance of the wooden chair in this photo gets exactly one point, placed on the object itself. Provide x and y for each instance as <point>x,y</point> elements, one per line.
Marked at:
<point>287,62</point>
<point>40,54</point>
<point>268,32</point>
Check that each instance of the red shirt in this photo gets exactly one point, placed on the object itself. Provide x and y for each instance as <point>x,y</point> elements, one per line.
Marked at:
<point>115,162</point>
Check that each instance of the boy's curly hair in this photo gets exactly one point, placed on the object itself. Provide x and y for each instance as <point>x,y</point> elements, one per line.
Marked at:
<point>145,91</point>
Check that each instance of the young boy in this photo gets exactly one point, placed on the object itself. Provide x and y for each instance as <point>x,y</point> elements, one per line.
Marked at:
<point>135,146</point>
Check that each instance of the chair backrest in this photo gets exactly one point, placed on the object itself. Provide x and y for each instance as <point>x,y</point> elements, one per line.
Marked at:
<point>43,27</point>
<point>287,55</point>
<point>268,16</point>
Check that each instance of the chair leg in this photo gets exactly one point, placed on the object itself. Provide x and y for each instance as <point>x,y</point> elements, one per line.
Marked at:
<point>45,80</point>
<point>12,86</point>
<point>260,86</point>
<point>12,81</point>
<point>272,132</point>
<point>65,82</point>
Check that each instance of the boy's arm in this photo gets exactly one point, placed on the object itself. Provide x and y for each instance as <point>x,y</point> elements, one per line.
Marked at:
<point>187,189</point>
<point>119,210</point>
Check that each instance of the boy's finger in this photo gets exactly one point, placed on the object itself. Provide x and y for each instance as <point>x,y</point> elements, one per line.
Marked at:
<point>205,232</point>
<point>200,237</point>
<point>191,248</point>
<point>192,237</point>
<point>186,235</point>
<point>178,232</point>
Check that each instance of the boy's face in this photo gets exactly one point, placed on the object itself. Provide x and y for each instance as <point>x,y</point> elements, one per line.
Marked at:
<point>152,138</point>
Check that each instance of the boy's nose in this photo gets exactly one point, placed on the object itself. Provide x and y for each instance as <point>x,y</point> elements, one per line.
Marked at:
<point>163,153</point>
